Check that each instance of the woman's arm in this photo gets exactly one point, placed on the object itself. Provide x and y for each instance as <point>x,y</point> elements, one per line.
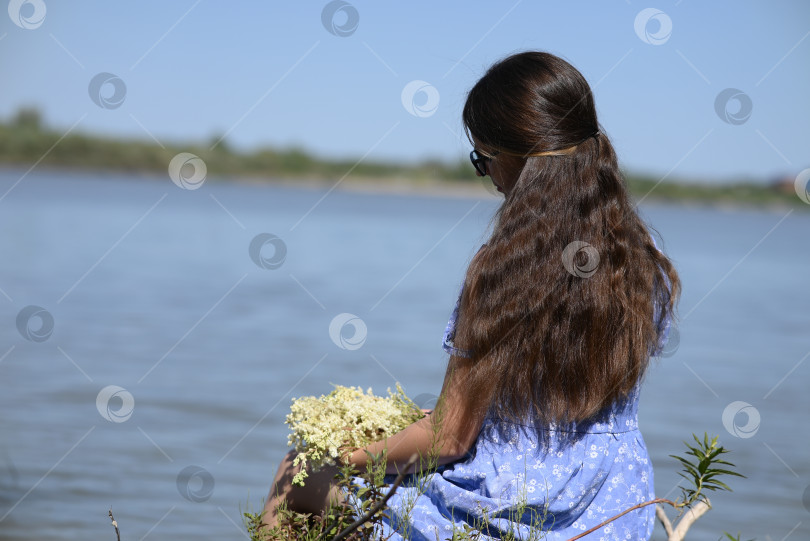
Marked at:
<point>447,433</point>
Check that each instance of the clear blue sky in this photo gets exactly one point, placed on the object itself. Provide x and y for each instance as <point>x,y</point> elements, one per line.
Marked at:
<point>271,73</point>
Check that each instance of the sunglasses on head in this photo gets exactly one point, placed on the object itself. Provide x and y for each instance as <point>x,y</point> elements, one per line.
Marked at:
<point>479,161</point>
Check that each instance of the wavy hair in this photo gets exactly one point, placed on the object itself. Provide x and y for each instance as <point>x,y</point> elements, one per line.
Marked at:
<point>561,309</point>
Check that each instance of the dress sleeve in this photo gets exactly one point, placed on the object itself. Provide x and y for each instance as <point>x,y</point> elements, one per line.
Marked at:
<point>450,332</point>
<point>663,324</point>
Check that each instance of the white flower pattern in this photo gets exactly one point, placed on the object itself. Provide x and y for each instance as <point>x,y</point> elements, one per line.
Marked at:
<point>590,475</point>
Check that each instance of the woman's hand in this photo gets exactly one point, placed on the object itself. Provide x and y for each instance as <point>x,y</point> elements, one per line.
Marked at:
<point>446,433</point>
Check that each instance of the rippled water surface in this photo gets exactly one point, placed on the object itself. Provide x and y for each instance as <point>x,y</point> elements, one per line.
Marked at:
<point>152,290</point>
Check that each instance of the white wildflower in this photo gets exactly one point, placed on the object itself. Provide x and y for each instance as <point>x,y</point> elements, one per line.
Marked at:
<point>345,418</point>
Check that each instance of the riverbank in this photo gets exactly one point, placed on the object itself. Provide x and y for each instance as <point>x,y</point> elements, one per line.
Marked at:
<point>25,143</point>
<point>688,196</point>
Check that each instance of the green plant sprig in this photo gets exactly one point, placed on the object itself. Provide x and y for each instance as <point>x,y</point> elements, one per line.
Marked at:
<point>701,472</point>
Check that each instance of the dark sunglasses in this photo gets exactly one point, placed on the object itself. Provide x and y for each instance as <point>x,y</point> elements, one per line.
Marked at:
<point>480,160</point>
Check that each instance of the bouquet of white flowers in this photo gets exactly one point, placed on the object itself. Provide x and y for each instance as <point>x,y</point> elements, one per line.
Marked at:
<point>346,417</point>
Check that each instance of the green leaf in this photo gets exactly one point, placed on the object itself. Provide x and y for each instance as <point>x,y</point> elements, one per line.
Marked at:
<point>702,471</point>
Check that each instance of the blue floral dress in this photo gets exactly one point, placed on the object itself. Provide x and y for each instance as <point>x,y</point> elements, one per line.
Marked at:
<point>566,481</point>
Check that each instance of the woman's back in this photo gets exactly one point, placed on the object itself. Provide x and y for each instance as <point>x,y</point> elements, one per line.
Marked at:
<point>567,480</point>
<point>558,316</point>
<point>535,480</point>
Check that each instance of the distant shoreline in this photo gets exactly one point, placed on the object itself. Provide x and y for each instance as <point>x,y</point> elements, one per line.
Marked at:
<point>402,186</point>
<point>26,142</point>
<point>458,190</point>
<point>383,185</point>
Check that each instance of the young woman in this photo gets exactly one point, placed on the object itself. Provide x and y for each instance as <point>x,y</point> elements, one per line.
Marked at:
<point>558,316</point>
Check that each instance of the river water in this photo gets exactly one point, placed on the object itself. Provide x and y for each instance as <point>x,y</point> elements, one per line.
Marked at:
<point>153,372</point>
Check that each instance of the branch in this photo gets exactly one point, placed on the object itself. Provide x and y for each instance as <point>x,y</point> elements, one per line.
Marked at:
<point>115,525</point>
<point>380,504</point>
<point>662,516</point>
<point>688,518</point>
<point>611,519</point>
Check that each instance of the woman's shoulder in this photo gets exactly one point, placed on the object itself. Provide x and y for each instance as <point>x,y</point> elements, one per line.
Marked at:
<point>616,418</point>
<point>450,329</point>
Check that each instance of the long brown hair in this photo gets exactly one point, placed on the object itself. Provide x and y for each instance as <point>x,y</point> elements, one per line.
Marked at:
<point>560,310</point>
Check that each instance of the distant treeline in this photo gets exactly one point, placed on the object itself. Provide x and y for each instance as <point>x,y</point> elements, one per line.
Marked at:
<point>24,140</point>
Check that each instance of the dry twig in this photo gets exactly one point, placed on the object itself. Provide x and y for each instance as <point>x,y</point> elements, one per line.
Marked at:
<point>380,504</point>
<point>115,525</point>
